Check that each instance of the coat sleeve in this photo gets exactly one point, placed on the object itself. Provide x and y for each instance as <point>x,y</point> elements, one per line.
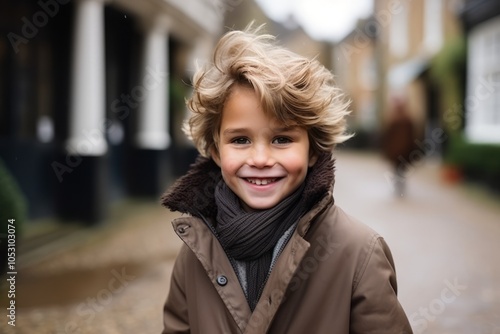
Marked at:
<point>175,311</point>
<point>375,307</point>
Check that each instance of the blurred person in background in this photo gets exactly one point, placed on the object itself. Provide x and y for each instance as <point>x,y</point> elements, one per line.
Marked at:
<point>398,142</point>
<point>266,249</point>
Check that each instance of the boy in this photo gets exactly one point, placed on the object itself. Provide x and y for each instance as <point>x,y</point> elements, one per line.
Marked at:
<point>266,250</point>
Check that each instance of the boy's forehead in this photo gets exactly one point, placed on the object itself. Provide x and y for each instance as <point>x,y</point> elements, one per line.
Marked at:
<point>271,128</point>
<point>273,122</point>
<point>241,106</point>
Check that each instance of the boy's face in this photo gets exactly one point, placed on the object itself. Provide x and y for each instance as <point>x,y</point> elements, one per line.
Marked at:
<point>261,160</point>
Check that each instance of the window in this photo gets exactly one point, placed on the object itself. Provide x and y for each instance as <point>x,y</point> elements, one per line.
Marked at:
<point>398,32</point>
<point>433,25</point>
<point>482,102</point>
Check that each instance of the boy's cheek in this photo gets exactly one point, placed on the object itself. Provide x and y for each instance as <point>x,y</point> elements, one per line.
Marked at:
<point>229,167</point>
<point>230,159</point>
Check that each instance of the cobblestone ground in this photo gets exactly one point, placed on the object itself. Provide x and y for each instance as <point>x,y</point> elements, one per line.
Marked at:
<point>444,238</point>
<point>115,282</point>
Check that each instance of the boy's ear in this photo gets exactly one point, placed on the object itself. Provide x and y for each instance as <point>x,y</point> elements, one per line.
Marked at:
<point>215,155</point>
<point>313,157</point>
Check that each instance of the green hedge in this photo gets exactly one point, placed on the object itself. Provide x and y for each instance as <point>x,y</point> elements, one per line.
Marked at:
<point>480,161</point>
<point>447,71</point>
<point>12,206</point>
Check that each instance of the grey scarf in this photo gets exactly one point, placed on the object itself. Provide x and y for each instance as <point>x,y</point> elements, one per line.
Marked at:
<point>251,236</point>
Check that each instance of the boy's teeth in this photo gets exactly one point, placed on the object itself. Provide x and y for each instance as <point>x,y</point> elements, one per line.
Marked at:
<point>260,182</point>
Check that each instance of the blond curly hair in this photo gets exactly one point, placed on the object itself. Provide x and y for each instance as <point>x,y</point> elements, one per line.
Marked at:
<point>293,89</point>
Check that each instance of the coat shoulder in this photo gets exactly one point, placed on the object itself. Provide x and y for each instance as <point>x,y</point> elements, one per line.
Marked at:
<point>351,242</point>
<point>343,228</point>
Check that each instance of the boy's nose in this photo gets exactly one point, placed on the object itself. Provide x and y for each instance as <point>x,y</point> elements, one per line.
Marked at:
<point>261,157</point>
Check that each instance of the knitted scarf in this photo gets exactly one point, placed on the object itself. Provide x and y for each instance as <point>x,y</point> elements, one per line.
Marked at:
<point>252,236</point>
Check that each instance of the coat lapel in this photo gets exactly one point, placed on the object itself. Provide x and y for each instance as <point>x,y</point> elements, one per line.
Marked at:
<point>198,237</point>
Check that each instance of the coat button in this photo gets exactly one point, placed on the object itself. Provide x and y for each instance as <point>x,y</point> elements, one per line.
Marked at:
<point>182,229</point>
<point>221,280</point>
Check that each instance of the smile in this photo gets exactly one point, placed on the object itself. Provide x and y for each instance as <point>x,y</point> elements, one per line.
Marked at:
<point>261,182</point>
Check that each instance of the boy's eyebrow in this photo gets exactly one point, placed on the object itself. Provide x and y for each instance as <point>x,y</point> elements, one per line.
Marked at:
<point>235,130</point>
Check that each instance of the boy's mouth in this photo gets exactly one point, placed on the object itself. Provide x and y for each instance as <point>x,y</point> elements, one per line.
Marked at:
<point>261,182</point>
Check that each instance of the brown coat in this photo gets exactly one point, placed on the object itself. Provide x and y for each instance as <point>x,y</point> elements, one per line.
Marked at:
<point>334,275</point>
<point>399,136</point>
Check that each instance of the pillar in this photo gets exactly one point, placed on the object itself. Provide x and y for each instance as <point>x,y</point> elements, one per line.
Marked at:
<point>83,188</point>
<point>152,132</point>
<point>150,161</point>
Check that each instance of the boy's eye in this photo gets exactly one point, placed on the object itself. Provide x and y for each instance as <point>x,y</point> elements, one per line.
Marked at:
<point>281,140</point>
<point>240,141</point>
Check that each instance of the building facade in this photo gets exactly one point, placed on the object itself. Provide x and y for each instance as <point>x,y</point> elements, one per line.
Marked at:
<point>91,97</point>
<point>387,57</point>
<point>355,69</point>
<point>415,33</point>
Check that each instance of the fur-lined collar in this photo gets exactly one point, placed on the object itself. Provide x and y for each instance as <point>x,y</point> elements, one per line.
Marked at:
<point>193,193</point>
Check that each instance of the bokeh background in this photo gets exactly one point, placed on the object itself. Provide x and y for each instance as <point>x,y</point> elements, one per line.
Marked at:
<point>91,105</point>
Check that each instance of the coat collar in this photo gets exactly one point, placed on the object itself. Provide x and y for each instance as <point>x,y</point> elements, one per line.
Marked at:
<point>193,193</point>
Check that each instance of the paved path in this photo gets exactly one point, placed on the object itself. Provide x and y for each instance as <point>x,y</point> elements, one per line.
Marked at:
<point>445,241</point>
<point>114,282</point>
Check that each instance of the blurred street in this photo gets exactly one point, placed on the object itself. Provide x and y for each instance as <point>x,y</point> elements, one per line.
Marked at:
<point>93,100</point>
<point>444,239</point>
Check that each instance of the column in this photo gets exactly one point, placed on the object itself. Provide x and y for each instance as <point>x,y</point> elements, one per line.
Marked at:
<point>152,132</point>
<point>150,163</point>
<point>87,109</point>
<point>82,179</point>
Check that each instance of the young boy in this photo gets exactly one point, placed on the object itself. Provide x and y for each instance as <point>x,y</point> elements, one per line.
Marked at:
<point>266,250</point>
